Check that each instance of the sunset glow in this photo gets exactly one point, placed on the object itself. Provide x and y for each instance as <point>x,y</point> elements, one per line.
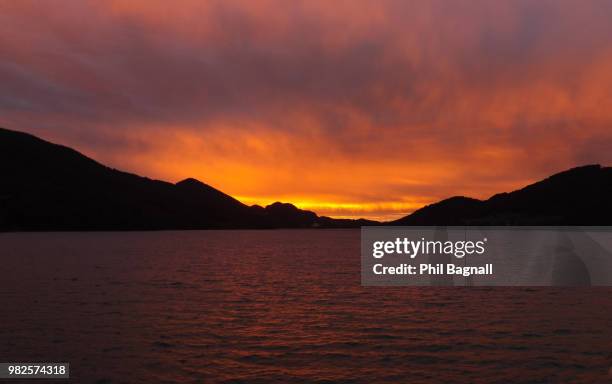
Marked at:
<point>347,108</point>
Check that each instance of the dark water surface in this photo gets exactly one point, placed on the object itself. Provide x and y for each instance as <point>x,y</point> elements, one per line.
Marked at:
<point>278,306</point>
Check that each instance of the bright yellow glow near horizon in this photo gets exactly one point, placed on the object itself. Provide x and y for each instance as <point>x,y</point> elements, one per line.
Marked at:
<point>380,211</point>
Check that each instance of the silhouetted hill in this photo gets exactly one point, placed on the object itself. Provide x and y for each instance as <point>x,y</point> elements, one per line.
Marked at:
<point>46,186</point>
<point>289,214</point>
<point>579,196</point>
<point>451,211</point>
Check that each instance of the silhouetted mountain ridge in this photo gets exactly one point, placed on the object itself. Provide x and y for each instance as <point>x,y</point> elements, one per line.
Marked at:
<point>578,196</point>
<point>46,186</point>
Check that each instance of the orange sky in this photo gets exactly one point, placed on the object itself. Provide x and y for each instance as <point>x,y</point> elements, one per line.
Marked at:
<point>348,108</point>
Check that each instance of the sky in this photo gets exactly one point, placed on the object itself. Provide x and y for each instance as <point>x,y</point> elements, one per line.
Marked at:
<point>348,108</point>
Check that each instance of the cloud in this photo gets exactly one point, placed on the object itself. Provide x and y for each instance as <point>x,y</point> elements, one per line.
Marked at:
<point>380,105</point>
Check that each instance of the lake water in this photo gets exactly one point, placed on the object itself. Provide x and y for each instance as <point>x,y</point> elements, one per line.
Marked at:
<point>278,306</point>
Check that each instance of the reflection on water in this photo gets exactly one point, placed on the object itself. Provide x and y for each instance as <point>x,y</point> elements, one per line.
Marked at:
<point>278,306</point>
